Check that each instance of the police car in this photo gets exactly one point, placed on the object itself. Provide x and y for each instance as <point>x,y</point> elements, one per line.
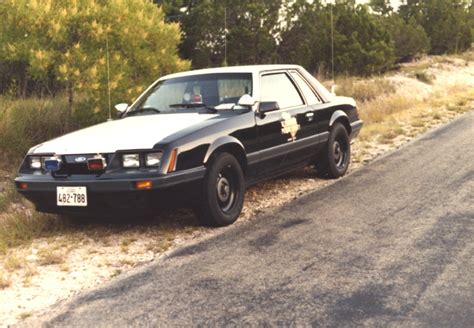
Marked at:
<point>197,138</point>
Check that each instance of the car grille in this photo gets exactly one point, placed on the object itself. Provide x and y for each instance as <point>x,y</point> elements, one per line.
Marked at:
<point>71,166</point>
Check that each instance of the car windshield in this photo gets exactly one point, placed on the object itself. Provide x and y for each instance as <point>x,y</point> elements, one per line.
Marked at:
<point>205,93</point>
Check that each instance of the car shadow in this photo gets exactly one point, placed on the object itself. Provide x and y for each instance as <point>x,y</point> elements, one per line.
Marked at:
<point>170,217</point>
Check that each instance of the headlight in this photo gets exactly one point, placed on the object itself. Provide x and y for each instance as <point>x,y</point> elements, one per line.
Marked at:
<point>153,159</point>
<point>35,162</point>
<point>131,160</point>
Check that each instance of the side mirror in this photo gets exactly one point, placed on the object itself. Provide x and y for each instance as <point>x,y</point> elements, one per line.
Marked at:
<point>247,101</point>
<point>268,106</point>
<point>121,108</point>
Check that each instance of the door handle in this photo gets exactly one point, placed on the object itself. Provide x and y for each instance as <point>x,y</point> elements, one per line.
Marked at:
<point>310,116</point>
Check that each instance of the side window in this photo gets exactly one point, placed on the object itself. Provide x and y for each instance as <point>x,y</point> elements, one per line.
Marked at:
<point>307,91</point>
<point>278,87</point>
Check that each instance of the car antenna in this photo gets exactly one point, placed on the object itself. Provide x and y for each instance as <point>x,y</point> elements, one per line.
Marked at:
<point>108,74</point>
<point>333,87</point>
<point>225,36</point>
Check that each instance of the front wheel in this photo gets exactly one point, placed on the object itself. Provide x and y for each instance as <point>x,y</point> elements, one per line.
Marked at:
<point>223,191</point>
<point>335,157</point>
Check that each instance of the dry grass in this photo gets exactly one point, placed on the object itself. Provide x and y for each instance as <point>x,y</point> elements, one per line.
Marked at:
<point>387,113</point>
<point>25,315</point>
<point>380,109</point>
<point>364,90</point>
<point>18,228</point>
<point>13,262</point>
<point>5,281</point>
<point>48,256</point>
<point>8,193</point>
<point>424,77</point>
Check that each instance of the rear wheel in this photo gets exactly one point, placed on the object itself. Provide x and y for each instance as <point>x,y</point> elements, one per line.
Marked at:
<point>334,159</point>
<point>223,191</point>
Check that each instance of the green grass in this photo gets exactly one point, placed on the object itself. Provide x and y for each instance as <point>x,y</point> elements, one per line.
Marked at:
<point>8,195</point>
<point>28,122</point>
<point>18,228</point>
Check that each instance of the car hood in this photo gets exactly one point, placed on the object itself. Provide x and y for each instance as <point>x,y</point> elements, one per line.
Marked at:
<point>136,132</point>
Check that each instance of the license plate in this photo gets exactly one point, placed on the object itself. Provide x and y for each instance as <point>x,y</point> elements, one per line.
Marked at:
<point>71,196</point>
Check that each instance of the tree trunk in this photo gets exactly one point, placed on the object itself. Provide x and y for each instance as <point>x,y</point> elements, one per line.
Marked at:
<point>70,92</point>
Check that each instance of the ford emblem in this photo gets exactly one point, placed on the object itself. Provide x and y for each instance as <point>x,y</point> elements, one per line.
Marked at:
<point>80,159</point>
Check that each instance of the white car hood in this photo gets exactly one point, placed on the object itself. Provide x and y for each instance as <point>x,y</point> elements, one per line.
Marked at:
<point>136,132</point>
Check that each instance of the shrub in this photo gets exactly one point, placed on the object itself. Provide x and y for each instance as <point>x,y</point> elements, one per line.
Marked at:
<point>63,45</point>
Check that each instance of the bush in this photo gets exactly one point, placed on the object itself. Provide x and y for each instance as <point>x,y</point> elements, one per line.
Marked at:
<point>62,45</point>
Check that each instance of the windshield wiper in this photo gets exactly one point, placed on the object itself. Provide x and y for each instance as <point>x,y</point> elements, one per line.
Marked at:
<point>143,110</point>
<point>194,105</point>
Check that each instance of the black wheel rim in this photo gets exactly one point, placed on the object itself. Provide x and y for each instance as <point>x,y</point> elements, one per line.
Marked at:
<point>339,150</point>
<point>226,189</point>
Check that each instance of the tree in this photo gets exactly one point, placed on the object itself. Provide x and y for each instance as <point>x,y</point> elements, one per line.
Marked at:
<point>445,22</point>
<point>410,39</point>
<point>67,40</point>
<point>382,7</point>
<point>362,45</point>
<point>252,28</point>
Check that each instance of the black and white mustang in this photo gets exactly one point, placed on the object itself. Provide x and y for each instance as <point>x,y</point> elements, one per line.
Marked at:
<point>202,136</point>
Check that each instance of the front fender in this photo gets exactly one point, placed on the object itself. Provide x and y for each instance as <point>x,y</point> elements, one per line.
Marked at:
<point>222,141</point>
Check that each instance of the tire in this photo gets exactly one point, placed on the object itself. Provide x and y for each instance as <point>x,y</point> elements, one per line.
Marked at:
<point>334,159</point>
<point>222,195</point>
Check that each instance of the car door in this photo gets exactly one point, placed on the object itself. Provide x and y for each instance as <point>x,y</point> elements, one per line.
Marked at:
<point>280,131</point>
<point>309,136</point>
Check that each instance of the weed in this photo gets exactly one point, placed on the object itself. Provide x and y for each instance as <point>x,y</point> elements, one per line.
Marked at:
<point>461,102</point>
<point>5,281</point>
<point>380,109</point>
<point>13,263</point>
<point>30,271</point>
<point>127,241</point>
<point>454,108</point>
<point>124,249</point>
<point>21,227</point>
<point>412,68</point>
<point>418,122</point>
<point>64,267</point>
<point>127,262</point>
<point>437,116</point>
<point>50,257</point>
<point>424,77</point>
<point>25,315</point>
<point>391,133</point>
<point>8,196</point>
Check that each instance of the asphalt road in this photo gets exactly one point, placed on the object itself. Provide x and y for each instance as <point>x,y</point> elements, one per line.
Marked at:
<point>390,245</point>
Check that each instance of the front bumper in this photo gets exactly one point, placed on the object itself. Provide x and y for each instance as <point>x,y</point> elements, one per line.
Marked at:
<point>112,193</point>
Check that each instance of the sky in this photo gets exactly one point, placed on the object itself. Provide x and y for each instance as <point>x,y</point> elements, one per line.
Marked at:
<point>395,3</point>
